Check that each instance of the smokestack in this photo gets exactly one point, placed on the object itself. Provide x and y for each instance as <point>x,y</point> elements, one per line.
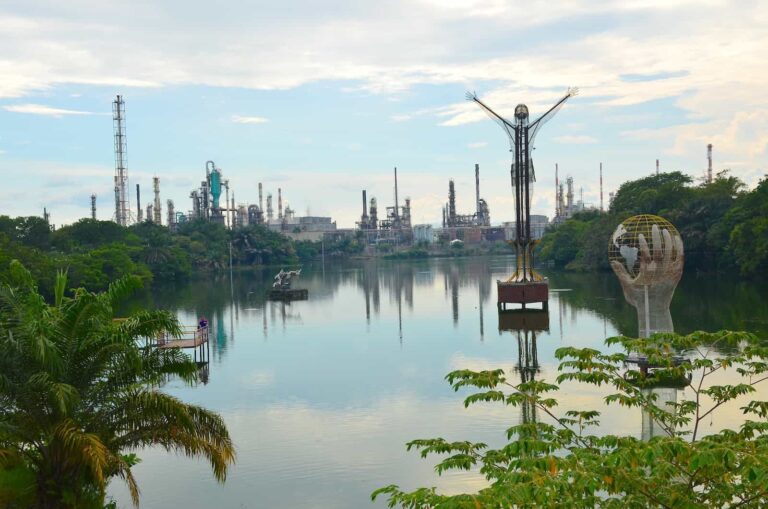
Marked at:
<point>657,166</point>
<point>156,209</point>
<point>601,187</point>
<point>365,206</point>
<point>93,206</point>
<point>261,202</point>
<point>279,203</point>
<point>557,191</point>
<point>477,191</point>
<point>138,203</point>
<point>171,212</point>
<point>709,163</point>
<point>451,219</point>
<point>397,208</point>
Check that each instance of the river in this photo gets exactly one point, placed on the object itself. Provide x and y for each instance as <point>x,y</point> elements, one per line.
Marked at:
<point>320,396</point>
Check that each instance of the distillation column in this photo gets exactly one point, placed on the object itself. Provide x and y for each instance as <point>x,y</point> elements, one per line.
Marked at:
<point>157,209</point>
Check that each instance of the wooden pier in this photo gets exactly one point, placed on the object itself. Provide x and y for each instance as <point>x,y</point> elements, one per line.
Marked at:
<point>192,337</point>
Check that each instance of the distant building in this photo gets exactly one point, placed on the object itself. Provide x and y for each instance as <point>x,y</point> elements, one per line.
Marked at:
<point>539,224</point>
<point>293,224</point>
<point>423,233</point>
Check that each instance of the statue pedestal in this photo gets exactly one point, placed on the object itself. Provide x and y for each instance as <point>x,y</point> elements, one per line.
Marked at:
<point>522,293</point>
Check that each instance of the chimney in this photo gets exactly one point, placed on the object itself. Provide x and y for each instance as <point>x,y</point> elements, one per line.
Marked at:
<point>601,187</point>
<point>477,190</point>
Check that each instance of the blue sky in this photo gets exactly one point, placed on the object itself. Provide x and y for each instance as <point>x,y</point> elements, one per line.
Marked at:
<point>323,99</point>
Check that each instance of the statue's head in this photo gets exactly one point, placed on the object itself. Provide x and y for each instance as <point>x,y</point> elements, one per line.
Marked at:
<point>521,112</point>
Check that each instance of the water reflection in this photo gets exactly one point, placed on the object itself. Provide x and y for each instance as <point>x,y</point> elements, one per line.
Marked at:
<point>698,302</point>
<point>321,395</point>
<point>525,324</point>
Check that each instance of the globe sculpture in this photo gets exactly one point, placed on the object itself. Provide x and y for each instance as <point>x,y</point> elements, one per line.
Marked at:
<point>646,246</point>
<point>646,253</point>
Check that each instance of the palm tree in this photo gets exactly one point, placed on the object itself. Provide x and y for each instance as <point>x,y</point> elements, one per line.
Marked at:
<point>78,392</point>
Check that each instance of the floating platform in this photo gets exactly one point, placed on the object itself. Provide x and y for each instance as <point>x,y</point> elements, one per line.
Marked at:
<point>290,294</point>
<point>529,292</point>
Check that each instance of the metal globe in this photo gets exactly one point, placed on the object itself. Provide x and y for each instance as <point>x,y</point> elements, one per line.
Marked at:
<point>625,246</point>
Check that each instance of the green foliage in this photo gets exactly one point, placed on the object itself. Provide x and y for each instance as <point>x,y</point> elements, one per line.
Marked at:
<point>258,245</point>
<point>563,463</point>
<point>97,252</point>
<point>722,226</point>
<point>77,389</point>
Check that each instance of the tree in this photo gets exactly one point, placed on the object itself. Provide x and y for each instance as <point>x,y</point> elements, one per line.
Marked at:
<point>77,391</point>
<point>89,233</point>
<point>654,194</point>
<point>560,463</point>
<point>743,231</point>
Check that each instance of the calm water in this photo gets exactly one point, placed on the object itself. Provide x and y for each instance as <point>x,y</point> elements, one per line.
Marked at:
<point>321,396</point>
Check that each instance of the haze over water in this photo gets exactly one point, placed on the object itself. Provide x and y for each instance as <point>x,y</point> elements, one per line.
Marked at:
<point>321,396</point>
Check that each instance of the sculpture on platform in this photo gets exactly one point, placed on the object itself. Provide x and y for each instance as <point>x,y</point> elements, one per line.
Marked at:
<point>649,273</point>
<point>522,134</point>
<point>646,254</point>
<point>283,279</point>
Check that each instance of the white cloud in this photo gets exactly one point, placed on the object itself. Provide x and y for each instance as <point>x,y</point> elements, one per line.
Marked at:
<point>41,109</point>
<point>401,118</point>
<point>238,119</point>
<point>575,139</point>
<point>478,144</point>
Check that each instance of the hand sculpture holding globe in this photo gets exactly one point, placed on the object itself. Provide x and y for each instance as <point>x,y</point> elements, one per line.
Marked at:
<point>648,273</point>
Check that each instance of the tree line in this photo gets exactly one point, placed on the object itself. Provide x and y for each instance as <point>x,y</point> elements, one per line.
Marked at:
<point>94,253</point>
<point>724,226</point>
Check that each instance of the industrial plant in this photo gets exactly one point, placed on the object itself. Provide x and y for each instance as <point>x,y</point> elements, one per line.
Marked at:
<point>214,200</point>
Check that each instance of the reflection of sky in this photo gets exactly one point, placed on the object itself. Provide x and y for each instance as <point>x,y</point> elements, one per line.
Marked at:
<point>321,396</point>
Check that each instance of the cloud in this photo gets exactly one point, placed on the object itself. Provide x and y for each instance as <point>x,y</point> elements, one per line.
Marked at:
<point>238,119</point>
<point>478,144</point>
<point>41,109</point>
<point>401,118</point>
<point>577,139</point>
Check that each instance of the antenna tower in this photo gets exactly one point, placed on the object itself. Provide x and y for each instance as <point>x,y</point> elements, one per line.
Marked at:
<point>709,165</point>
<point>93,206</point>
<point>122,214</point>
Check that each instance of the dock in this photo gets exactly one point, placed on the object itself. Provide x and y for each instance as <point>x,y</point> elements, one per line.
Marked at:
<point>192,337</point>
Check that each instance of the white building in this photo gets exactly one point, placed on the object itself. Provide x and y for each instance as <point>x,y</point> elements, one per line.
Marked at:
<point>538,225</point>
<point>423,233</point>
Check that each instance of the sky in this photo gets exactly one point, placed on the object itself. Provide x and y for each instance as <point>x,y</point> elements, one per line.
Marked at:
<point>324,99</point>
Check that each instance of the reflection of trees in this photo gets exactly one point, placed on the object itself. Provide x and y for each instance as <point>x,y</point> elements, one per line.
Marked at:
<point>701,302</point>
<point>698,302</point>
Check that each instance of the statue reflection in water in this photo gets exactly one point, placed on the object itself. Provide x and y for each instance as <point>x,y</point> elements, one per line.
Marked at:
<point>650,289</point>
<point>526,324</point>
